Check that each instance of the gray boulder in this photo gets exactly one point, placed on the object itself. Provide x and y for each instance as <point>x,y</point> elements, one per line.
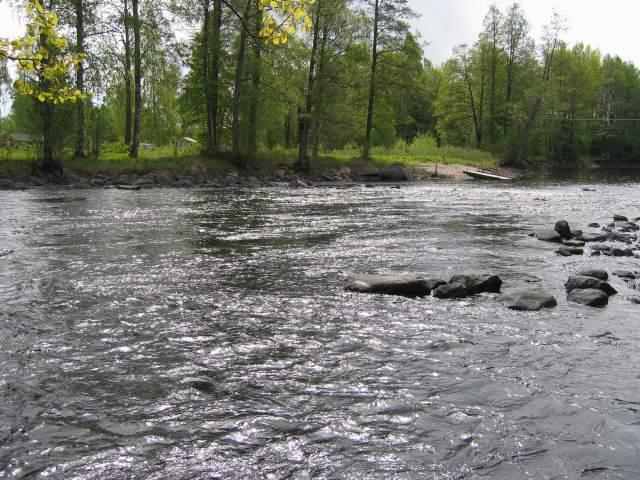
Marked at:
<point>562,227</point>
<point>627,227</point>
<point>230,180</point>
<point>619,237</point>
<point>478,282</point>
<point>590,297</point>
<point>626,275</point>
<point>549,236</point>
<point>569,251</point>
<point>591,237</point>
<point>365,171</point>
<point>588,283</point>
<point>450,291</point>
<point>395,173</point>
<point>433,283</point>
<point>573,243</point>
<point>406,285</point>
<point>599,274</point>
<point>620,218</point>
<point>529,300</point>
<point>619,252</point>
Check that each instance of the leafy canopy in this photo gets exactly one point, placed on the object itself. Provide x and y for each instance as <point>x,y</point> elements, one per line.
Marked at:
<point>284,17</point>
<point>41,52</point>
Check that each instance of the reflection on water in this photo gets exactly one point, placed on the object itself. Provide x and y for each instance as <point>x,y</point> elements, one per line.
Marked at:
<point>205,334</point>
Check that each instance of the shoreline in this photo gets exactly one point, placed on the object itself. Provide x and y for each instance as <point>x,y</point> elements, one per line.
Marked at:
<point>200,176</point>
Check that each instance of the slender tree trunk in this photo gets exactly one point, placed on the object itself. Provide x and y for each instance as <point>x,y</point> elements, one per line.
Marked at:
<point>80,105</point>
<point>304,120</point>
<point>237,90</point>
<point>214,78</point>
<point>252,120</point>
<point>475,113</point>
<point>287,130</point>
<point>49,163</point>
<point>492,92</point>
<point>317,121</point>
<point>137,78</point>
<point>537,104</point>
<point>372,83</point>
<point>206,31</point>
<point>128,113</point>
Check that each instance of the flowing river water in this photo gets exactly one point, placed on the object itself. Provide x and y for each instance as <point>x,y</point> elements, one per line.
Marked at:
<point>198,334</point>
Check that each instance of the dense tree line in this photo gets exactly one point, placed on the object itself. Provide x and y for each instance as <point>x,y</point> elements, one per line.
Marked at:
<point>244,76</point>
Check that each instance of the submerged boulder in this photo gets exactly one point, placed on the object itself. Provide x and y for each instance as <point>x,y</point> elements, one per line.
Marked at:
<point>591,237</point>
<point>562,227</point>
<point>405,285</point>
<point>450,291</point>
<point>569,251</point>
<point>599,274</point>
<point>590,297</point>
<point>478,282</point>
<point>529,300</point>
<point>549,236</point>
<point>626,275</point>
<point>589,283</point>
<point>573,243</point>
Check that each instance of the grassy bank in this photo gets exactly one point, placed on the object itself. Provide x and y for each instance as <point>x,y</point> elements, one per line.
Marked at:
<point>114,160</point>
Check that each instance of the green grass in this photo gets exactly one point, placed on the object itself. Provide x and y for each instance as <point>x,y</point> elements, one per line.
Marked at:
<point>114,159</point>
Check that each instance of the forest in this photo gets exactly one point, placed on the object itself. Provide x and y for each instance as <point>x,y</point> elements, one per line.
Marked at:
<point>255,79</point>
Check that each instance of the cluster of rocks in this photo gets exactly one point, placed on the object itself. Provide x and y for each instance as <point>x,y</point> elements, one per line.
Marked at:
<point>573,242</point>
<point>590,288</point>
<point>465,285</point>
<point>198,176</point>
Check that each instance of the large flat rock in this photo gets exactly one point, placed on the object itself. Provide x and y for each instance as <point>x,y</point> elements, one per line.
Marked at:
<point>587,283</point>
<point>478,282</point>
<point>529,300</point>
<point>590,297</point>
<point>404,285</point>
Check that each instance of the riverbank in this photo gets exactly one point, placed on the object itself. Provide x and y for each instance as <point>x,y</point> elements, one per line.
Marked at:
<point>203,172</point>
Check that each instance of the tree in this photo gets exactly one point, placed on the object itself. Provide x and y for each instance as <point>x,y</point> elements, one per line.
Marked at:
<point>45,66</point>
<point>389,29</point>
<point>552,42</point>
<point>137,80</point>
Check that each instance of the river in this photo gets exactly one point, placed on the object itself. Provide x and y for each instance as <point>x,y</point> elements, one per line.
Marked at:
<point>197,334</point>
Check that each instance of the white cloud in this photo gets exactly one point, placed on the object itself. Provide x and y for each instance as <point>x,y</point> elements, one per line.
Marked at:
<point>609,27</point>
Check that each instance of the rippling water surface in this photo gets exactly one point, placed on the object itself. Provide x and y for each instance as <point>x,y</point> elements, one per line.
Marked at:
<point>205,334</point>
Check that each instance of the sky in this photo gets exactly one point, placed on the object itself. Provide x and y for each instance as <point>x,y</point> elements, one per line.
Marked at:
<point>610,26</point>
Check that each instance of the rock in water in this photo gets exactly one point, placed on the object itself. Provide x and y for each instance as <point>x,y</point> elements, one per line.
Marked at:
<point>531,300</point>
<point>591,297</point>
<point>589,283</point>
<point>569,251</point>
<point>573,243</point>
<point>620,218</point>
<point>619,273</point>
<point>549,236</point>
<point>478,282</point>
<point>407,285</point>
<point>599,274</point>
<point>5,252</point>
<point>562,227</point>
<point>450,290</point>
<point>591,237</point>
